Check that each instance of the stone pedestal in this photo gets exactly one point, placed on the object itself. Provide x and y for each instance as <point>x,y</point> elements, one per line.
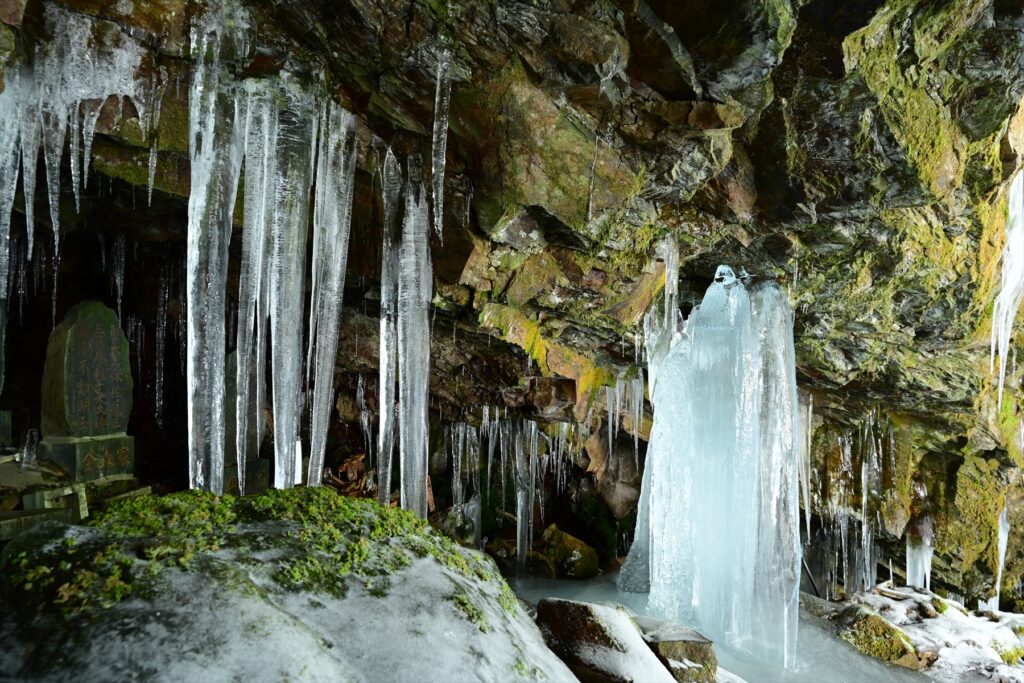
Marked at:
<point>87,395</point>
<point>85,458</point>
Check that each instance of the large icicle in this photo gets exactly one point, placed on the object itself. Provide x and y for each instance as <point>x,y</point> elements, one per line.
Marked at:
<point>391,188</point>
<point>289,220</point>
<point>260,165</point>
<point>442,97</point>
<point>215,120</point>
<point>719,514</point>
<point>1011,291</point>
<point>415,287</point>
<point>331,223</point>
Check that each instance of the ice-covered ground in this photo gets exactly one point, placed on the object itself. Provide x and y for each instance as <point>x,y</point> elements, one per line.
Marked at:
<point>967,646</point>
<point>821,656</point>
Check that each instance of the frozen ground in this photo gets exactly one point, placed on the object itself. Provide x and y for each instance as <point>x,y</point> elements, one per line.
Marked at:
<point>821,657</point>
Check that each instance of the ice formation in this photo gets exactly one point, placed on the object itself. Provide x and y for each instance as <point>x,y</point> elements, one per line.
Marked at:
<point>415,290</point>
<point>331,222</point>
<point>1011,291</point>
<point>1002,536</point>
<point>442,97</point>
<point>216,115</point>
<point>720,534</point>
<point>919,565</point>
<point>85,62</point>
<point>391,189</point>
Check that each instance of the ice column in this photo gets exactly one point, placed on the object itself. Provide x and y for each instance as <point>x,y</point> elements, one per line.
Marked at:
<point>415,288</point>
<point>391,188</point>
<point>216,115</point>
<point>719,516</point>
<point>331,223</point>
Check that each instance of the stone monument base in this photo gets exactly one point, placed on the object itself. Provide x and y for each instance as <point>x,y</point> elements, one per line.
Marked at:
<point>86,458</point>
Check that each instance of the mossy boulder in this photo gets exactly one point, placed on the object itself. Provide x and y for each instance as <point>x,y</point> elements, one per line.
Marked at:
<point>571,557</point>
<point>874,636</point>
<point>301,584</point>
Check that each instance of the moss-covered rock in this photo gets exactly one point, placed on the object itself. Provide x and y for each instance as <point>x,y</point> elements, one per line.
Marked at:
<point>876,637</point>
<point>265,583</point>
<point>572,558</point>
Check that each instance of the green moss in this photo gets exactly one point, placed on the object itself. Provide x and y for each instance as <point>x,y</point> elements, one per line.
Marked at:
<point>328,540</point>
<point>507,599</point>
<point>1010,655</point>
<point>875,637</point>
<point>940,605</point>
<point>472,611</point>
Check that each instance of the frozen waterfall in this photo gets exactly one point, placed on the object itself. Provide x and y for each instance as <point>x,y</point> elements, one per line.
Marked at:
<point>720,499</point>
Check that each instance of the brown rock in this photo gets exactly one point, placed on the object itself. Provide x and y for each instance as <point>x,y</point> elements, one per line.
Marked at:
<point>599,643</point>
<point>687,654</point>
<point>12,11</point>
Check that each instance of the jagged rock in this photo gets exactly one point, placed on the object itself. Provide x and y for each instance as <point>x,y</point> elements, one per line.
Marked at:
<point>600,643</point>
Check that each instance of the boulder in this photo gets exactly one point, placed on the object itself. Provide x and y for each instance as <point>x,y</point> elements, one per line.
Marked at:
<point>687,654</point>
<point>600,643</point>
<point>300,585</point>
<point>571,557</point>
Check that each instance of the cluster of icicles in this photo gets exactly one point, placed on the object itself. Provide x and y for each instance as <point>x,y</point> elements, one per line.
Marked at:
<point>505,463</point>
<point>89,70</point>
<point>295,142</point>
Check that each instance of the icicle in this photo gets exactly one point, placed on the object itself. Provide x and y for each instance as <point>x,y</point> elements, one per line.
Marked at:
<point>331,224</point>
<point>154,144</point>
<point>1003,535</point>
<point>119,258</point>
<point>163,298</point>
<point>289,220</point>
<point>415,286</point>
<point>10,136</point>
<point>391,188</point>
<point>805,433</point>
<point>365,420</point>
<point>1011,290</point>
<point>216,114</point>
<point>442,97</point>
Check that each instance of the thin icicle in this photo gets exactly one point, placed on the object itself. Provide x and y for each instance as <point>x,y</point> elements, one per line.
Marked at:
<point>331,225</point>
<point>415,287</point>
<point>442,98</point>
<point>391,189</point>
<point>163,299</point>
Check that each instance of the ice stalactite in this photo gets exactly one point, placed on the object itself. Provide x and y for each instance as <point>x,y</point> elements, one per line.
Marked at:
<point>293,175</point>
<point>331,225</point>
<point>415,289</point>
<point>260,138</point>
<point>216,117</point>
<point>719,540</point>
<point>118,260</point>
<point>442,98</point>
<point>391,189</point>
<point>805,434</point>
<point>160,343</point>
<point>365,421</point>
<point>1011,291</point>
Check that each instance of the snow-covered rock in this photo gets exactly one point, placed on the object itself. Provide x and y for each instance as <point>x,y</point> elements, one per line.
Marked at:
<point>298,585</point>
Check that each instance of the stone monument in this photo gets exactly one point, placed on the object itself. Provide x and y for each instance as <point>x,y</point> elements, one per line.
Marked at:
<point>87,395</point>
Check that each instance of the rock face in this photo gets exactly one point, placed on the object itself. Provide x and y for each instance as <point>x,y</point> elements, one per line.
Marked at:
<point>858,151</point>
<point>301,585</point>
